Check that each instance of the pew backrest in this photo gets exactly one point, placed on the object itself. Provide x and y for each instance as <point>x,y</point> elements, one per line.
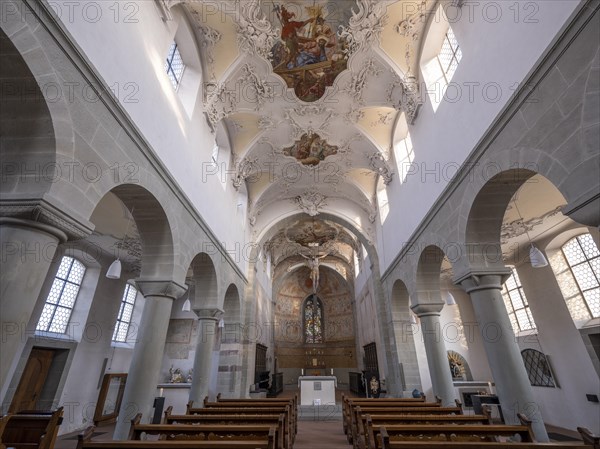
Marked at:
<point>284,437</point>
<point>32,430</point>
<point>85,442</point>
<point>386,443</point>
<point>589,438</point>
<point>446,433</point>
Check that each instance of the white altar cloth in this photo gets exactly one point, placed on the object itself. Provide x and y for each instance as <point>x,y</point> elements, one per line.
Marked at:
<point>317,390</point>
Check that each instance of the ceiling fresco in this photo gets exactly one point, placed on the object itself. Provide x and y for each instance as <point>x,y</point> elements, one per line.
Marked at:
<point>308,53</point>
<point>311,149</point>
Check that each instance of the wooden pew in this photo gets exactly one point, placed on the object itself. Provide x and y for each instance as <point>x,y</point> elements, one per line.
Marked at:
<point>3,420</point>
<point>386,443</point>
<point>212,432</point>
<point>85,442</point>
<point>294,400</point>
<point>364,438</point>
<point>243,403</point>
<point>270,401</point>
<point>348,404</point>
<point>251,411</point>
<point>284,439</point>
<point>442,434</point>
<point>36,430</point>
<point>589,438</point>
<point>356,412</point>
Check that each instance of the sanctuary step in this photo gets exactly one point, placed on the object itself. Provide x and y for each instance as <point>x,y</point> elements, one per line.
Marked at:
<point>327,412</point>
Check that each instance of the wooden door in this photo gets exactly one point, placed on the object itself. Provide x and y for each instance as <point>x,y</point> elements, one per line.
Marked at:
<point>33,380</point>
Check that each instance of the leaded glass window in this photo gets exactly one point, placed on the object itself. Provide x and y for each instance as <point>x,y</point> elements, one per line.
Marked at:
<point>313,320</point>
<point>583,258</point>
<point>61,299</point>
<point>538,368</point>
<point>450,55</point>
<point>174,65</point>
<point>516,303</point>
<point>125,314</point>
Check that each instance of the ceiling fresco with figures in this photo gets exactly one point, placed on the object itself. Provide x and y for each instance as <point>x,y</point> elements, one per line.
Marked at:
<point>307,94</point>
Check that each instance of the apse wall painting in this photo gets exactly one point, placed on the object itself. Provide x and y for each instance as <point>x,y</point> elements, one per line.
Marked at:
<point>311,149</point>
<point>309,55</point>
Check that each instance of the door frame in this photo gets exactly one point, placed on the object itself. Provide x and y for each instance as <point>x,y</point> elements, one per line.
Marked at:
<point>45,342</point>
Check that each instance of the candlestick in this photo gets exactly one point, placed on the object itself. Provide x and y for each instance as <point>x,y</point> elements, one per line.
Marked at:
<point>161,392</point>
<point>332,371</point>
<point>302,371</point>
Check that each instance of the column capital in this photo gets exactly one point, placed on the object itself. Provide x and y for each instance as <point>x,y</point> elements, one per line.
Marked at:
<point>41,212</point>
<point>431,309</point>
<point>483,279</point>
<point>209,314</point>
<point>167,289</point>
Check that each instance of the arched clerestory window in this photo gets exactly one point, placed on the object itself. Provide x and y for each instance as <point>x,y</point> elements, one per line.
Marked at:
<point>125,314</point>
<point>516,304</point>
<point>61,299</point>
<point>313,320</point>
<point>583,259</point>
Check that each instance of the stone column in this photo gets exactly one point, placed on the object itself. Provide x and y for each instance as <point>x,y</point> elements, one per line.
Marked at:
<point>27,250</point>
<point>208,320</point>
<point>146,362</point>
<point>437,357</point>
<point>512,383</point>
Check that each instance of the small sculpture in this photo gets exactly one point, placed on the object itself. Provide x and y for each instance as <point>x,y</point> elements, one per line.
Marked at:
<point>190,375</point>
<point>176,376</point>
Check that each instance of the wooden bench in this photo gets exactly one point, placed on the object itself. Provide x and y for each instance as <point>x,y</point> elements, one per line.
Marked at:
<point>387,444</point>
<point>589,438</point>
<point>267,401</point>
<point>257,403</point>
<point>284,439</point>
<point>358,410</point>
<point>31,430</point>
<point>444,433</point>
<point>85,442</point>
<point>393,420</point>
<point>349,403</point>
<point>249,411</point>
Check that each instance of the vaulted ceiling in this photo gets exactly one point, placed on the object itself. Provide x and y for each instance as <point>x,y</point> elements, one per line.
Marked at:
<point>307,95</point>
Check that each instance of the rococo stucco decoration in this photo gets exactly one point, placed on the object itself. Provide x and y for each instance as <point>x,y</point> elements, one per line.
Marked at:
<point>310,202</point>
<point>311,149</point>
<point>309,80</point>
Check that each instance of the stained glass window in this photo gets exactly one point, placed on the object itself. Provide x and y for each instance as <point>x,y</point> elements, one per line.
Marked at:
<point>516,304</point>
<point>313,320</point>
<point>450,55</point>
<point>61,299</point>
<point>583,258</point>
<point>174,65</point>
<point>125,314</point>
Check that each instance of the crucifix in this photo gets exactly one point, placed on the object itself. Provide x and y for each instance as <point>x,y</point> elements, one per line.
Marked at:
<point>313,262</point>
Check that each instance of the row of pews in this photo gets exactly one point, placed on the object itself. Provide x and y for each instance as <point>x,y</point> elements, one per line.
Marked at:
<point>30,429</point>
<point>397,423</point>
<point>223,424</point>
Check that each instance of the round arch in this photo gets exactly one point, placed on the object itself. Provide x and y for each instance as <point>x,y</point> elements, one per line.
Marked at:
<point>203,281</point>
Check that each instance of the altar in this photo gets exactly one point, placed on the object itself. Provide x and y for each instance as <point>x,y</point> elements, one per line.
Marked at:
<point>317,390</point>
